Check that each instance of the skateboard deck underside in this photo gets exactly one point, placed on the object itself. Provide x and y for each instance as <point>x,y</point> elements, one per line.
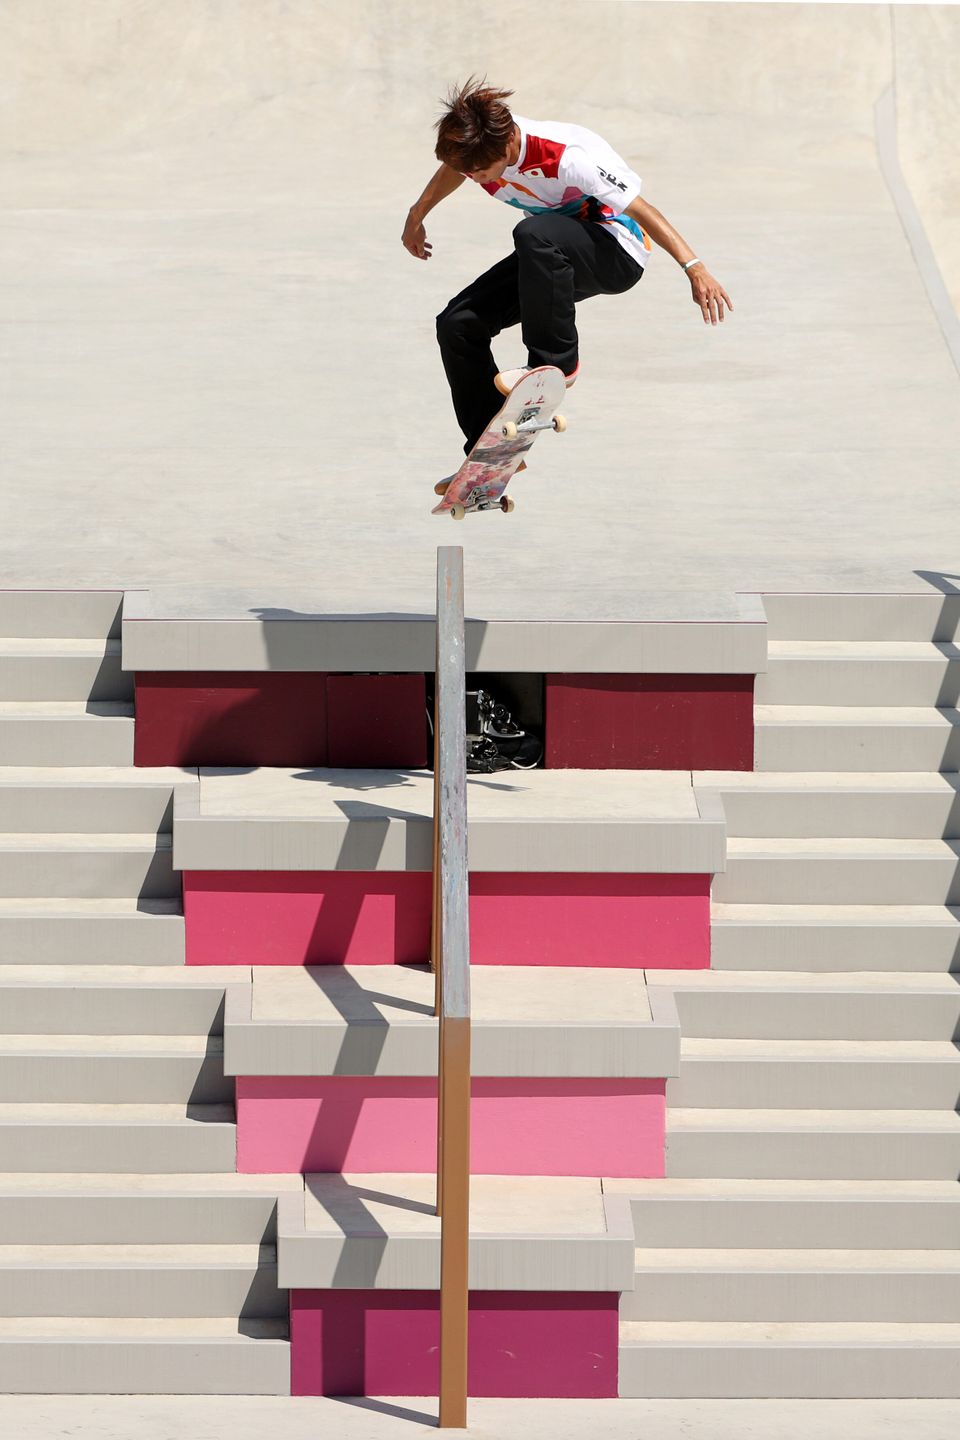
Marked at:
<point>487,470</point>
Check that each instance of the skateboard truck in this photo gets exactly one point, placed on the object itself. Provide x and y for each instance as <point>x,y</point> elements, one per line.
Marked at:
<point>511,429</point>
<point>506,503</point>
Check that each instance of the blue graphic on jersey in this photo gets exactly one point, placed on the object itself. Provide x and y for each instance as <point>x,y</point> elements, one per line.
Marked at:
<point>572,207</point>
<point>632,226</point>
<point>575,207</point>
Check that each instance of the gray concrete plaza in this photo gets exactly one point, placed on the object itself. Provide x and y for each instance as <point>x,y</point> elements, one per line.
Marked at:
<point>216,1417</point>
<point>220,367</point>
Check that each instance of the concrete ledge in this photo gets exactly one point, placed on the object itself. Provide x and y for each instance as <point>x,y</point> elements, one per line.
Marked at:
<point>607,822</point>
<point>378,1020</point>
<point>526,1233</point>
<point>682,633</point>
<point>85,800</point>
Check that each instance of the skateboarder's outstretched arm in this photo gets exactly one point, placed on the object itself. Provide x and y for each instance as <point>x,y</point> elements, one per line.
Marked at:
<point>708,293</point>
<point>414,236</point>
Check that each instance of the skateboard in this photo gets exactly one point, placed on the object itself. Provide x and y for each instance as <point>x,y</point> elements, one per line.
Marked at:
<point>484,475</point>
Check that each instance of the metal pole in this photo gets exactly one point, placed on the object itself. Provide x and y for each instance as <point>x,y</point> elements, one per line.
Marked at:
<point>452,959</point>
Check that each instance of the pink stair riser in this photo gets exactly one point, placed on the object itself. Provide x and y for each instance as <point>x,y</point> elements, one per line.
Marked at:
<point>349,917</point>
<point>386,1342</point>
<point>376,1124</point>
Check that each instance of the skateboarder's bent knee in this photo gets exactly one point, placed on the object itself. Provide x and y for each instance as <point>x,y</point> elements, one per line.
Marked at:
<point>458,323</point>
<point>534,228</point>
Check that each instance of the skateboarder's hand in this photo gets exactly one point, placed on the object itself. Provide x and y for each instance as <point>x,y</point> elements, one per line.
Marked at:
<point>414,237</point>
<point>709,294</point>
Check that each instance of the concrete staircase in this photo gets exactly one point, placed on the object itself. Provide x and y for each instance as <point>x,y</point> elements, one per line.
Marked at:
<point>85,874</point>
<point>132,1257</point>
<point>807,1239</point>
<point>63,698</point>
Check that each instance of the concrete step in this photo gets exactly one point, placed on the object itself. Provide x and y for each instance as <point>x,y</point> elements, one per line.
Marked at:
<point>63,670</point>
<point>793,1285</point>
<point>811,1144</point>
<point>121,1139</point>
<point>89,799</point>
<point>536,1021</point>
<point>140,1280</point>
<point>903,938</point>
<point>182,1356</point>
<point>87,866</point>
<point>53,931</point>
<point>145,1209</point>
<point>835,871</point>
<point>780,1005</point>
<point>40,614</point>
<point>824,737</point>
<point>793,1214</point>
<point>381,1232</point>
<point>113,1000</point>
<point>66,732</point>
<point>711,1359</point>
<point>860,672</point>
<point>881,617</point>
<point>113,1069</point>
<point>818,1074</point>
<point>892,805</point>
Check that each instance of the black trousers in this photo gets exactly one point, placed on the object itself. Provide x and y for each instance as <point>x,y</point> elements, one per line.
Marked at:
<point>557,260</point>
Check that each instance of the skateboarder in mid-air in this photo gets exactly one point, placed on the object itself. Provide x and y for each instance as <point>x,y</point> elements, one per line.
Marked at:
<point>585,232</point>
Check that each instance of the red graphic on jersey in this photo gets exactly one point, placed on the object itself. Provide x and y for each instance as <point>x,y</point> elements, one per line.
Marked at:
<point>542,156</point>
<point>493,186</point>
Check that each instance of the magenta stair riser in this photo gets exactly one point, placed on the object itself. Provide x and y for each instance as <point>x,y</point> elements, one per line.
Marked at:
<point>385,1342</point>
<point>383,917</point>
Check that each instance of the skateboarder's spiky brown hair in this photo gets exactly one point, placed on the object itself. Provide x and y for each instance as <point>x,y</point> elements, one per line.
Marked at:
<point>475,127</point>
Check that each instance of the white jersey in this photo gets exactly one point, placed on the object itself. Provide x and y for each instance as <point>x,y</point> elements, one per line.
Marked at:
<point>574,172</point>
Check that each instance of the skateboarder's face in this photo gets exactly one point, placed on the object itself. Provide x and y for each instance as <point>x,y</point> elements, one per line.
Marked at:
<point>495,169</point>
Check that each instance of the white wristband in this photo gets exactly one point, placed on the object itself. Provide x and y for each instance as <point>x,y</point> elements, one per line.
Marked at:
<point>692,262</point>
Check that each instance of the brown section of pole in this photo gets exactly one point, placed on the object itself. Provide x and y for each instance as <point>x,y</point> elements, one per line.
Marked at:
<point>455,1232</point>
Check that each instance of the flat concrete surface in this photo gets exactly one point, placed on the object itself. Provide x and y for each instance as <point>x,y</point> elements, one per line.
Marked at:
<point>119,775</point>
<point>378,1020</point>
<point>403,995</point>
<point>627,597</point>
<point>499,1205</point>
<point>531,1233</point>
<point>70,977</point>
<point>216,1417</point>
<point>535,820</point>
<point>220,366</point>
<point>47,1182</point>
<point>338,795</point>
<point>819,780</point>
<point>819,1189</point>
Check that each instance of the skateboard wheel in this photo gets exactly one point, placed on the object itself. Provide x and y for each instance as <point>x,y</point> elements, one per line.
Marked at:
<point>559,422</point>
<point>457,512</point>
<point>510,431</point>
<point>507,504</point>
<point>441,487</point>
